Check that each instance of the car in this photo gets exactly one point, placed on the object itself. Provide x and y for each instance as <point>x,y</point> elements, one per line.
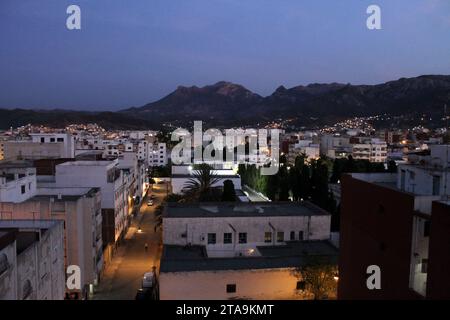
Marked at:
<point>148,281</point>
<point>149,203</point>
<point>143,294</point>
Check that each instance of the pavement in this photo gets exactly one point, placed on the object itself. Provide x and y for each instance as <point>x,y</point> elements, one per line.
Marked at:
<point>123,276</point>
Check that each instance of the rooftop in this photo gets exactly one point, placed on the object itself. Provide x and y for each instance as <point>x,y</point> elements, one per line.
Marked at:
<point>241,209</point>
<point>87,163</point>
<point>12,164</point>
<point>291,255</point>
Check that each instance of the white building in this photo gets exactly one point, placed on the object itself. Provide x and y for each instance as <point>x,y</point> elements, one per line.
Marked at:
<point>110,179</point>
<point>32,260</point>
<point>373,150</point>
<point>17,181</point>
<point>157,154</point>
<point>240,250</point>
<point>307,148</point>
<point>66,139</point>
<point>335,146</point>
<point>80,210</point>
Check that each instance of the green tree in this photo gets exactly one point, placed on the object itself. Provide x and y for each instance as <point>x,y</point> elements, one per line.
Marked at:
<point>319,276</point>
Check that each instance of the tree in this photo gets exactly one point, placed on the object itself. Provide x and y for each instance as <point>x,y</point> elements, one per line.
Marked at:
<point>199,187</point>
<point>229,193</point>
<point>319,276</point>
<point>392,166</point>
<point>158,217</point>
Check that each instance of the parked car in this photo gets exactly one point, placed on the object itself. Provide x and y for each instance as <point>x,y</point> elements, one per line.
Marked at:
<point>143,294</point>
<point>149,203</point>
<point>148,281</point>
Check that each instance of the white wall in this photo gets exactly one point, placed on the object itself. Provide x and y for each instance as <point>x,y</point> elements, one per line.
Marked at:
<point>263,284</point>
<point>181,231</point>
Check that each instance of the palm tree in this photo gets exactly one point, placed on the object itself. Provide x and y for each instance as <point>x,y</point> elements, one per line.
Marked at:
<point>199,187</point>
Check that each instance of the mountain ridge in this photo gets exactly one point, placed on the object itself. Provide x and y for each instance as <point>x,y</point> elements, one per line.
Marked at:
<point>229,104</point>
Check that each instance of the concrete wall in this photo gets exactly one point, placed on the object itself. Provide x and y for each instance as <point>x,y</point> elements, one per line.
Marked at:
<point>181,231</point>
<point>264,284</point>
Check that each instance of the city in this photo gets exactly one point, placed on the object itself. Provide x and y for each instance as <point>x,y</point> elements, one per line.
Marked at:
<point>222,230</point>
<point>224,158</point>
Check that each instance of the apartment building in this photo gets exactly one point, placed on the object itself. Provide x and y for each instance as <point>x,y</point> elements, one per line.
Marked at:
<point>32,260</point>
<point>373,150</point>
<point>399,222</point>
<point>157,154</point>
<point>241,250</point>
<point>110,179</point>
<point>335,146</point>
<point>80,210</point>
<point>17,181</point>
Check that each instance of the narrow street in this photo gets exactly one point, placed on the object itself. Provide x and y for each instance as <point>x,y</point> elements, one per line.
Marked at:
<point>123,276</point>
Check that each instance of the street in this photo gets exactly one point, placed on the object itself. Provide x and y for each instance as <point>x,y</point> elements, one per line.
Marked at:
<point>123,276</point>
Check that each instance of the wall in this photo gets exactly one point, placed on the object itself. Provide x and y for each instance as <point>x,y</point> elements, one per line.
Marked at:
<point>376,229</point>
<point>196,231</point>
<point>439,258</point>
<point>264,284</point>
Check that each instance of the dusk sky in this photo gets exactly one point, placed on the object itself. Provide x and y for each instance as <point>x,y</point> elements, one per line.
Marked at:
<point>129,53</point>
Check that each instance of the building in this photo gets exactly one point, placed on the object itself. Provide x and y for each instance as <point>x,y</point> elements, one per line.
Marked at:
<point>335,146</point>
<point>241,250</point>
<point>373,150</point>
<point>41,146</point>
<point>399,222</point>
<point>304,148</point>
<point>80,210</point>
<point>157,154</point>
<point>17,181</point>
<point>32,260</point>
<point>114,196</point>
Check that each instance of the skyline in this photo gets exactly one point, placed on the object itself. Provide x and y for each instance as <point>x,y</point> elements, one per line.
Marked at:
<point>130,55</point>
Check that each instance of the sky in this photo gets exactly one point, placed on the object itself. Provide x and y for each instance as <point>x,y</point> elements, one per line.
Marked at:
<point>129,53</point>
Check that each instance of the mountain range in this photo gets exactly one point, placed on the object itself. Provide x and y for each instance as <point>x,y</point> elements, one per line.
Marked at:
<point>229,104</point>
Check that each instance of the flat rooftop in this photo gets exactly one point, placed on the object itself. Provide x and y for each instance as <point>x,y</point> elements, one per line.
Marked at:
<point>12,164</point>
<point>291,255</point>
<point>241,209</point>
<point>99,163</point>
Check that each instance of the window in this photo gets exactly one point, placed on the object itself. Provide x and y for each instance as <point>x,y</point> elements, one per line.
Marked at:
<point>268,237</point>
<point>60,139</point>
<point>242,237</point>
<point>280,236</point>
<point>424,266</point>
<point>426,228</point>
<point>231,288</point>
<point>300,235</point>
<point>211,238</point>
<point>436,185</point>
<point>27,289</point>
<point>22,189</point>
<point>4,265</point>
<point>227,238</point>
<point>42,140</point>
<point>52,139</point>
<point>301,285</point>
<point>292,237</point>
